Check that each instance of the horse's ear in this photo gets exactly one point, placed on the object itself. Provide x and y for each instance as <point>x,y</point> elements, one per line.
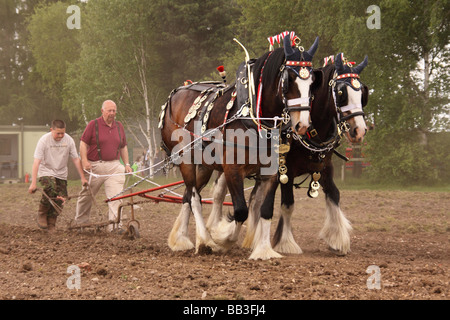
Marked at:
<point>338,62</point>
<point>361,66</point>
<point>313,48</point>
<point>288,51</point>
<point>318,79</point>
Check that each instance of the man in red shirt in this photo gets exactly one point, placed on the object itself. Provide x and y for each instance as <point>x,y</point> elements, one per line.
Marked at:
<point>102,145</point>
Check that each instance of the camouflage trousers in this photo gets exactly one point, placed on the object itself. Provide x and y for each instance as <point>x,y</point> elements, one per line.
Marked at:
<point>53,187</point>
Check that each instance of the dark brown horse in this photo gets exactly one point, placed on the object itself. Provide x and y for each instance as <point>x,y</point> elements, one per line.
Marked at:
<point>336,110</point>
<point>206,116</point>
<point>348,96</point>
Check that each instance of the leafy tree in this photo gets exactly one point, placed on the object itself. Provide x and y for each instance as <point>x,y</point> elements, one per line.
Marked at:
<point>130,56</point>
<point>24,93</point>
<point>407,73</point>
<point>53,45</point>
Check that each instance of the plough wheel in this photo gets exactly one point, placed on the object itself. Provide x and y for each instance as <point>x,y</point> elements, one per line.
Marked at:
<point>133,229</point>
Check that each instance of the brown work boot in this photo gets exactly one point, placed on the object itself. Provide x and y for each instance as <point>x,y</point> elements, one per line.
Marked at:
<point>51,222</point>
<point>41,218</point>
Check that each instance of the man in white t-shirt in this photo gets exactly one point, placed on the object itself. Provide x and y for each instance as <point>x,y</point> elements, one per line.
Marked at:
<point>50,166</point>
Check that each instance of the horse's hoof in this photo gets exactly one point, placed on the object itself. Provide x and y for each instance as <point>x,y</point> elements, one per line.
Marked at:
<point>264,254</point>
<point>204,250</point>
<point>182,244</point>
<point>337,252</point>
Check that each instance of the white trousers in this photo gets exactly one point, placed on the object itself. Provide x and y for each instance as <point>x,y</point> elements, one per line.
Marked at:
<point>113,185</point>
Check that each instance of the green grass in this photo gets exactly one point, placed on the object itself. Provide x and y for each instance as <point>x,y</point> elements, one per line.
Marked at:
<point>358,184</point>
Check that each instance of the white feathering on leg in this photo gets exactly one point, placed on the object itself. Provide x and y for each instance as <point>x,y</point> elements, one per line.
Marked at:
<point>263,249</point>
<point>219,193</point>
<point>203,236</point>
<point>226,233</point>
<point>336,229</point>
<point>287,242</point>
<point>178,239</point>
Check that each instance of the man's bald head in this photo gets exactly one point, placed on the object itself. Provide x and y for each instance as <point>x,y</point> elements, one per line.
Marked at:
<point>107,103</point>
<point>109,110</point>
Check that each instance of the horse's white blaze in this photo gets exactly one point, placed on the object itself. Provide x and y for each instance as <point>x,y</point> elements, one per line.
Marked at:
<point>303,117</point>
<point>360,124</point>
<point>354,98</point>
<point>263,249</point>
<point>178,238</point>
<point>336,230</point>
<point>287,242</point>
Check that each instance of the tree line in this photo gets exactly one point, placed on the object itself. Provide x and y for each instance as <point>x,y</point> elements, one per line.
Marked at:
<point>135,52</point>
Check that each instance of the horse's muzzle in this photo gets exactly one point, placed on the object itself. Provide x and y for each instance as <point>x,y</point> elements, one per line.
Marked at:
<point>301,129</point>
<point>356,134</point>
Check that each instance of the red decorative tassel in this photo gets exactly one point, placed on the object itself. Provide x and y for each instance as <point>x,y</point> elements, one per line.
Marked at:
<point>222,73</point>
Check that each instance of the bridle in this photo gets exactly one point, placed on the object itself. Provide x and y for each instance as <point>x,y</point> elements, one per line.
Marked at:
<point>336,85</point>
<point>304,73</point>
<point>296,104</point>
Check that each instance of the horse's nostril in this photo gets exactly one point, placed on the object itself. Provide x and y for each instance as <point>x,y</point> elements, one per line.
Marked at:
<point>297,126</point>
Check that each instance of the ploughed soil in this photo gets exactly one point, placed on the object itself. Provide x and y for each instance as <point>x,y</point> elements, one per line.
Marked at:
<point>400,238</point>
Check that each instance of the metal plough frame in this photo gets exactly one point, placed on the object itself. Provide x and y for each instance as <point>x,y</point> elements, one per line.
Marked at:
<point>133,224</point>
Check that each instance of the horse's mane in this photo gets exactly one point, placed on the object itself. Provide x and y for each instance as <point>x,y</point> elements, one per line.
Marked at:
<point>271,67</point>
<point>328,72</point>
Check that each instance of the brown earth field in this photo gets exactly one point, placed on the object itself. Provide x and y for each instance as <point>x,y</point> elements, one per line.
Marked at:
<point>399,237</point>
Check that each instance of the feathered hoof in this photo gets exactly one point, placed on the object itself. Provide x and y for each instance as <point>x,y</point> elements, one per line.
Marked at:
<point>225,234</point>
<point>204,250</point>
<point>264,254</point>
<point>207,247</point>
<point>288,248</point>
<point>223,246</point>
<point>248,240</point>
<point>337,252</point>
<point>181,244</point>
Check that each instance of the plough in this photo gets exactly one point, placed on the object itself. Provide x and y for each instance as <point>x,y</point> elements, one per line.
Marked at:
<point>132,227</point>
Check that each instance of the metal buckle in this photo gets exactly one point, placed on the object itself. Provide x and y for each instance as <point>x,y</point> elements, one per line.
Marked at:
<point>345,127</point>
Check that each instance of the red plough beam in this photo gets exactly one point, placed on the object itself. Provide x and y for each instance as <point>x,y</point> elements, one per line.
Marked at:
<point>161,197</point>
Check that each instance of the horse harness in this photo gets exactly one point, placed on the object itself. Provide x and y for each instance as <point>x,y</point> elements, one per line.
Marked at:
<point>243,94</point>
<point>311,141</point>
